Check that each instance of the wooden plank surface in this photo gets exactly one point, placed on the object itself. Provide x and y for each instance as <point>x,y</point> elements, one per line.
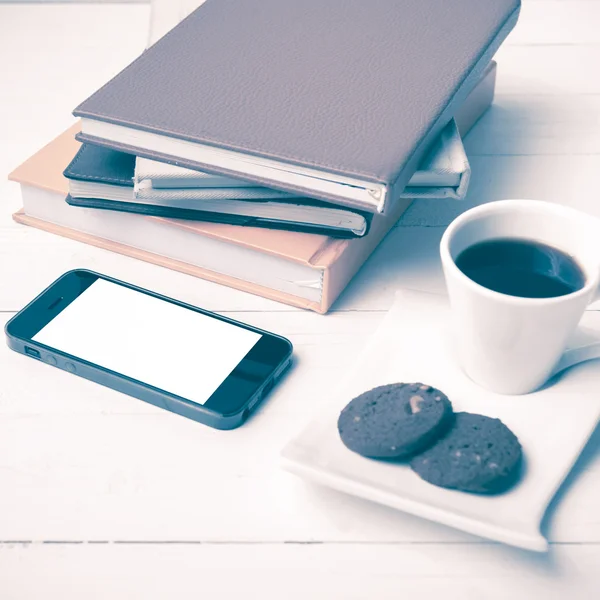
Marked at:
<point>297,572</point>
<point>113,498</point>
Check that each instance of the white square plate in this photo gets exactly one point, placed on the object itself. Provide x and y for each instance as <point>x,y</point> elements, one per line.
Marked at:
<point>412,344</point>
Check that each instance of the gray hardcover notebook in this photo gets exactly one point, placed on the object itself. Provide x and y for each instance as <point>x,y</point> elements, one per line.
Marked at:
<point>102,178</point>
<point>338,99</point>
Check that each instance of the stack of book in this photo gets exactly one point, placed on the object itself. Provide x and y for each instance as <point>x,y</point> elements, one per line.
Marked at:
<point>270,145</point>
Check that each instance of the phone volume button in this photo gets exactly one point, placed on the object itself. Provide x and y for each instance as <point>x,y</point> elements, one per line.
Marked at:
<point>70,367</point>
<point>51,360</point>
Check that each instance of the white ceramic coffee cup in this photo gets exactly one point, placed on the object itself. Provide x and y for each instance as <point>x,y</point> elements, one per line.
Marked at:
<point>509,344</point>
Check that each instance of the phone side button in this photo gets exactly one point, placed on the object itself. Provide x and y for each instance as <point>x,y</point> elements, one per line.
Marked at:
<point>51,360</point>
<point>70,367</point>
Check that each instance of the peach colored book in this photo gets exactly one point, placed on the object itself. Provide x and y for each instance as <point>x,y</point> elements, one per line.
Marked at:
<point>304,270</point>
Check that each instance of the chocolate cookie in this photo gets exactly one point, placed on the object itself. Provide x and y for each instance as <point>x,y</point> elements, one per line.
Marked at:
<point>395,421</point>
<point>477,454</point>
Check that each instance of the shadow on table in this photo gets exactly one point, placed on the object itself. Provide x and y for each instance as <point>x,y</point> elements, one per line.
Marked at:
<point>590,453</point>
<point>377,524</point>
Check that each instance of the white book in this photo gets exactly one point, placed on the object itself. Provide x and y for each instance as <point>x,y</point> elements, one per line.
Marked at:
<point>443,173</point>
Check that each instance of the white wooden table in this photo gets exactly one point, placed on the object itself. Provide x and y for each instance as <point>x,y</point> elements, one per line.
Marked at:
<point>103,496</point>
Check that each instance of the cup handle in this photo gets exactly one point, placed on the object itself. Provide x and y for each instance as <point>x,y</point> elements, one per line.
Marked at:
<point>574,356</point>
<point>588,350</point>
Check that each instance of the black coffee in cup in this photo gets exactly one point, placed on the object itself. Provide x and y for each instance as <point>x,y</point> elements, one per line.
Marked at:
<point>520,267</point>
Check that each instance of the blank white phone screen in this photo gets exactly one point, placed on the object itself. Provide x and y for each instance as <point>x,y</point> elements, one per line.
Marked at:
<point>167,346</point>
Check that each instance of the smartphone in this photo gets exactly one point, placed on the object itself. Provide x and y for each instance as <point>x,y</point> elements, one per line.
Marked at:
<point>173,355</point>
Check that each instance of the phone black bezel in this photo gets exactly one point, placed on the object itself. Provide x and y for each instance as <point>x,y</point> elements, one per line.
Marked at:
<point>227,407</point>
